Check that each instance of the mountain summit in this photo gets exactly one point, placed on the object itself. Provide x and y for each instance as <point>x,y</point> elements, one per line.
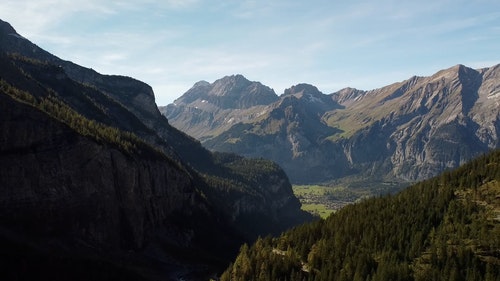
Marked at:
<point>208,106</point>
<point>230,92</point>
<point>405,131</point>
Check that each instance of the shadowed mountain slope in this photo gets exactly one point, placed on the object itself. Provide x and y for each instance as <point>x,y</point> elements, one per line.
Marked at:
<point>95,184</point>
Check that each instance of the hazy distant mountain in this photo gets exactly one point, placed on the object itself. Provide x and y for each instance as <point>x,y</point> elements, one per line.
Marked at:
<point>406,131</point>
<point>96,185</point>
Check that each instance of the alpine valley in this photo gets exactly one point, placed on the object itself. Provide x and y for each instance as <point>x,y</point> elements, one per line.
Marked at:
<point>446,227</point>
<point>96,185</point>
<point>397,134</point>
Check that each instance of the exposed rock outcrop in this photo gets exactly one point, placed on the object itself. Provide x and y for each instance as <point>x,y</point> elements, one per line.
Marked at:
<point>406,131</point>
<point>209,106</point>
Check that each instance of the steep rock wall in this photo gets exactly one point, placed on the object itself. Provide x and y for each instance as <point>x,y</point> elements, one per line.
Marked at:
<point>61,184</point>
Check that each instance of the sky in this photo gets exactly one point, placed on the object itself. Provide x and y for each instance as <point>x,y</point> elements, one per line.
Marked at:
<point>172,44</point>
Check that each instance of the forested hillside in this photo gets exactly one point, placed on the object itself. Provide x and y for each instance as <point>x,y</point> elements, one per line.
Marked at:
<point>96,185</point>
<point>445,228</point>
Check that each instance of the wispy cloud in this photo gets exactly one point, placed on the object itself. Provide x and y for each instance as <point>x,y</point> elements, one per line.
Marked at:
<point>35,17</point>
<point>174,43</point>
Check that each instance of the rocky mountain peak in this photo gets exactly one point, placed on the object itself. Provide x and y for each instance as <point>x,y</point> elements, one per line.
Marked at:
<point>6,28</point>
<point>347,95</point>
<point>409,129</point>
<point>201,84</point>
<point>234,91</point>
<point>309,96</point>
<point>230,85</point>
<point>302,89</point>
<point>199,91</point>
<point>452,72</point>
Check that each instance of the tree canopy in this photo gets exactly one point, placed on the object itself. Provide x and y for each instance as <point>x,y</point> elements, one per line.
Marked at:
<point>445,228</point>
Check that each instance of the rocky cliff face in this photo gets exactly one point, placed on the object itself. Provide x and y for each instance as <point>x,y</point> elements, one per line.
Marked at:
<point>59,184</point>
<point>422,126</point>
<point>234,92</point>
<point>406,131</point>
<point>288,134</point>
<point>206,107</point>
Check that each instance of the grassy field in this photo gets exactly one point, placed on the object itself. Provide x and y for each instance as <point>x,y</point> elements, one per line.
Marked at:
<point>323,200</point>
<point>317,199</point>
<point>317,209</point>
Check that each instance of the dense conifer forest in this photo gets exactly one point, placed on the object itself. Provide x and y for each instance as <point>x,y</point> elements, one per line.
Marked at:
<point>445,228</point>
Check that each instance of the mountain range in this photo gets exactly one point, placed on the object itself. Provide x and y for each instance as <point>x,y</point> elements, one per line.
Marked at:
<point>403,132</point>
<point>96,185</point>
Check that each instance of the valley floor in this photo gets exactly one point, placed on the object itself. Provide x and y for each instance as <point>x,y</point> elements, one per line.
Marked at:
<point>322,200</point>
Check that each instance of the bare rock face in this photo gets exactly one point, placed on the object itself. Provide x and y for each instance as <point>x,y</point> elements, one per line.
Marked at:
<point>406,131</point>
<point>206,107</point>
<point>432,125</point>
<point>422,126</point>
<point>230,92</point>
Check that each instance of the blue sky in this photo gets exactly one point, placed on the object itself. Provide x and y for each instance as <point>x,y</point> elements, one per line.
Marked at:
<point>331,44</point>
